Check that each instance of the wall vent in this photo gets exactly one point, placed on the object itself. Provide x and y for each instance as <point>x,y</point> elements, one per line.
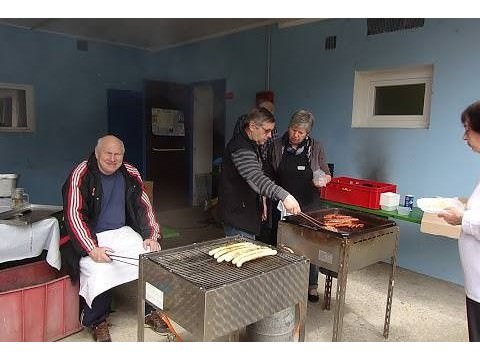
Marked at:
<point>379,26</point>
<point>82,45</point>
<point>330,42</point>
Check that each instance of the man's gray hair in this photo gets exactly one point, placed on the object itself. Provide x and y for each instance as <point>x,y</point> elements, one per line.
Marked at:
<point>302,119</point>
<point>259,116</point>
<point>102,139</point>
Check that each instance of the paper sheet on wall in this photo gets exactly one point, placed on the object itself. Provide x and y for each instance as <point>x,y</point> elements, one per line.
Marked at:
<point>167,122</point>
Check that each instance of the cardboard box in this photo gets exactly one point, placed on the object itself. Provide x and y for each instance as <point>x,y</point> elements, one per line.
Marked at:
<point>432,224</point>
<point>149,189</point>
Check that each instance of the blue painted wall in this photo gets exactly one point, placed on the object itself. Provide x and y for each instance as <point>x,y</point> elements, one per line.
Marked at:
<point>423,162</point>
<point>70,103</point>
<point>70,93</point>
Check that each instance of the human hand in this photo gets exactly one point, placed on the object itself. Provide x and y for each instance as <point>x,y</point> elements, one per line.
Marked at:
<point>452,215</point>
<point>291,205</point>
<point>99,254</point>
<point>152,245</point>
<point>320,179</point>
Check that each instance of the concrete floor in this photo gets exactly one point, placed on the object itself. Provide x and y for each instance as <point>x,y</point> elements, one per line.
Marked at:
<point>424,309</point>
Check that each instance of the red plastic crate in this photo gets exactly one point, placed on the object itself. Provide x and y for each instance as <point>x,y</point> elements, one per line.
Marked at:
<point>358,192</point>
<point>37,303</point>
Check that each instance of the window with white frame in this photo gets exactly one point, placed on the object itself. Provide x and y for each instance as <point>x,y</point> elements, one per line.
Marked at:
<point>396,98</point>
<point>16,108</point>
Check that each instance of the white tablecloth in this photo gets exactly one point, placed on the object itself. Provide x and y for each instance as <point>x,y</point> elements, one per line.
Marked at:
<point>25,241</point>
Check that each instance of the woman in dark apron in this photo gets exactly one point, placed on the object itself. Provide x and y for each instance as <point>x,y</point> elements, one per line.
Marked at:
<point>301,169</point>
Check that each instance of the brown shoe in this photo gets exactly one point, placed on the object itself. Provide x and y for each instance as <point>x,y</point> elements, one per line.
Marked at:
<point>100,332</point>
<point>155,321</point>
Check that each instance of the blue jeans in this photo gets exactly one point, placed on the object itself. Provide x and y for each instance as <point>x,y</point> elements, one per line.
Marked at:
<point>232,231</point>
<point>313,277</point>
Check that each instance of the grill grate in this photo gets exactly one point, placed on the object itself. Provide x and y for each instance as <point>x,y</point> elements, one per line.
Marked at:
<point>371,222</point>
<point>196,266</point>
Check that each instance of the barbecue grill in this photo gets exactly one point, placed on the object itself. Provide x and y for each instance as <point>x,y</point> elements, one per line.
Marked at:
<point>211,299</point>
<point>343,251</point>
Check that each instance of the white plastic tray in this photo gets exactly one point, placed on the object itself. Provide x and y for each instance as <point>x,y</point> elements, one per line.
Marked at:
<point>438,204</point>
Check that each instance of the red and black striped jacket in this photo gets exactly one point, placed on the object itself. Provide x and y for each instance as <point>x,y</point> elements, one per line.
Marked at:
<point>82,196</point>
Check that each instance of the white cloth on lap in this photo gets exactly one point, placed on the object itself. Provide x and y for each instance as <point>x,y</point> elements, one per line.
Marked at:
<point>96,278</point>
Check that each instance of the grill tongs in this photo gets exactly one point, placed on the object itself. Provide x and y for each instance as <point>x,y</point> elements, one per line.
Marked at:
<point>118,257</point>
<point>312,220</point>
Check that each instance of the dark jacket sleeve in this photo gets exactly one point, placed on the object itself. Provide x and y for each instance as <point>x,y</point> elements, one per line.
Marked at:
<point>76,212</point>
<point>74,231</point>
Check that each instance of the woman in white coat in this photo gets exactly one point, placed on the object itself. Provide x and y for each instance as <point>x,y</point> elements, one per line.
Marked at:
<point>469,242</point>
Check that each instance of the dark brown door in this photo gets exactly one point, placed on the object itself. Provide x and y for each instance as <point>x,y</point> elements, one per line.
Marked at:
<point>169,149</point>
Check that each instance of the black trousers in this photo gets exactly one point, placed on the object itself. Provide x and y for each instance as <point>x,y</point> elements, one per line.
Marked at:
<point>101,308</point>
<point>473,320</point>
<point>266,229</point>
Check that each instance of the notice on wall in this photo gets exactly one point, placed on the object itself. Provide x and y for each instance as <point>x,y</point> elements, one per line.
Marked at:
<point>168,122</point>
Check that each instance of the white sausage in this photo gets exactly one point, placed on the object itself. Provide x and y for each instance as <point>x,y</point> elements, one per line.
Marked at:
<point>230,254</point>
<point>253,256</point>
<point>237,258</point>
<point>233,247</point>
<point>214,251</point>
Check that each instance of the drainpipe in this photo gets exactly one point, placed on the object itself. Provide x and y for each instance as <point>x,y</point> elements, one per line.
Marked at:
<point>268,39</point>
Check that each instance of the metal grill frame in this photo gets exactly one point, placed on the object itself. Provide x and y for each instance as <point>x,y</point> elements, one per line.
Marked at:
<point>210,313</point>
<point>340,254</point>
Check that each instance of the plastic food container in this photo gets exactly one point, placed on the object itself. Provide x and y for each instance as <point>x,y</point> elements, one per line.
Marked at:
<point>389,207</point>
<point>8,182</point>
<point>389,201</point>
<point>404,210</point>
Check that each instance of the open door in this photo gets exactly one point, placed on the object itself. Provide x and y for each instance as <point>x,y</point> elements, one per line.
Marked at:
<point>168,119</point>
<point>125,121</point>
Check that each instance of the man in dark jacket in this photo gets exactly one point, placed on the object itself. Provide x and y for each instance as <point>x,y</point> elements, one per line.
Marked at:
<point>101,194</point>
<point>243,181</point>
<point>265,150</point>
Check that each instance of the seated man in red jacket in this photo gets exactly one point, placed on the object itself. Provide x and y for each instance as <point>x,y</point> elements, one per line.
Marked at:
<point>104,200</point>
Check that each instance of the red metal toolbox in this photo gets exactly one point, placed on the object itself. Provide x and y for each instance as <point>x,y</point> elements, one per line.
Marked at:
<point>358,192</point>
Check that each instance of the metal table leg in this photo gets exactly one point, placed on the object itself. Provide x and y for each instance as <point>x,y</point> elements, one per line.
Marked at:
<point>340,295</point>
<point>393,270</point>
<point>140,303</point>
<point>327,295</point>
<point>234,336</point>
<point>302,311</point>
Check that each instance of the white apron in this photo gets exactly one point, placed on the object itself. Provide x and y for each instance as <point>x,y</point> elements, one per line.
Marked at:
<point>96,278</point>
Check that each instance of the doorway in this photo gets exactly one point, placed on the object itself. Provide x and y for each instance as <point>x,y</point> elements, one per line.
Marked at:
<point>180,163</point>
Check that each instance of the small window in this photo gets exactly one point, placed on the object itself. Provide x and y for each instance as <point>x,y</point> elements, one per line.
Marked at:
<point>398,98</point>
<point>16,108</point>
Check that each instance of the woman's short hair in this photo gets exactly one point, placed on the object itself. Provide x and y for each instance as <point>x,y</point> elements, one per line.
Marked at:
<point>472,115</point>
<point>259,116</point>
<point>303,119</point>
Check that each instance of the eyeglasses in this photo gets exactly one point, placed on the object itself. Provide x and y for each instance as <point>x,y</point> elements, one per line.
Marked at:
<point>267,131</point>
